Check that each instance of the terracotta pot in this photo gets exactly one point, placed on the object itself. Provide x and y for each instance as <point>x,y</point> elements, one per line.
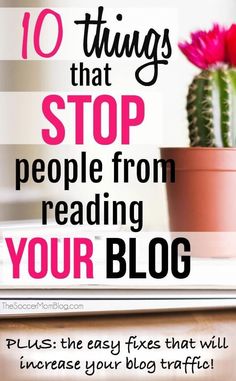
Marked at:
<point>203,197</point>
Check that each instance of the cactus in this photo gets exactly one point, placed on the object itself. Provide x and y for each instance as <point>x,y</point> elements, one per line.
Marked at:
<point>210,97</point>
<point>210,100</point>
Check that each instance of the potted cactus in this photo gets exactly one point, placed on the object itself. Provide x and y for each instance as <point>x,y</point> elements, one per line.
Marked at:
<point>202,199</point>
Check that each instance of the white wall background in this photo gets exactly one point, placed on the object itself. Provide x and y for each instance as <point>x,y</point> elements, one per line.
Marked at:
<point>191,15</point>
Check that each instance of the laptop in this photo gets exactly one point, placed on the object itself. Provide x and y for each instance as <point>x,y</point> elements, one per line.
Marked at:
<point>71,302</point>
<point>215,288</point>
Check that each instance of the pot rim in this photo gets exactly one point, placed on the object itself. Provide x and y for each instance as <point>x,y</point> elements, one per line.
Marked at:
<point>201,148</point>
<point>201,158</point>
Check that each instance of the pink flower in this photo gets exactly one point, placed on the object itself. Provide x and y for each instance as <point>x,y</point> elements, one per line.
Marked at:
<point>231,45</point>
<point>207,48</point>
